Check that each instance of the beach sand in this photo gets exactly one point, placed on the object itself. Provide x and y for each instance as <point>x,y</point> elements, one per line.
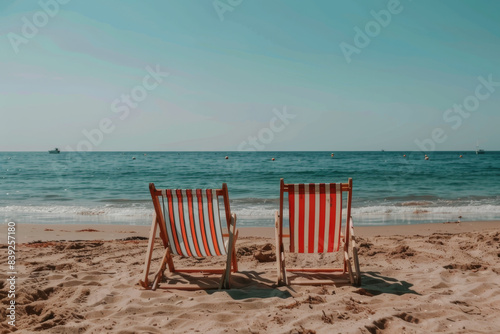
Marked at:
<point>427,278</point>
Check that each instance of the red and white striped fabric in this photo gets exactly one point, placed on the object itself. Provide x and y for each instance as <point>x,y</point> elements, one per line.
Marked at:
<point>193,222</point>
<point>315,217</point>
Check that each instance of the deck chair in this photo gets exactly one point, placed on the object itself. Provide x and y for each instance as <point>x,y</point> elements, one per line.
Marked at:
<point>315,216</point>
<point>190,226</point>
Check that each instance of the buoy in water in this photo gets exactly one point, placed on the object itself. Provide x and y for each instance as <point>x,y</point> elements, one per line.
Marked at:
<point>332,155</point>
<point>227,157</point>
<point>404,155</point>
<point>272,159</point>
<point>461,156</point>
<point>133,158</point>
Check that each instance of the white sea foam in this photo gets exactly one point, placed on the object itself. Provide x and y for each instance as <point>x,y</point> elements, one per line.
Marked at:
<point>77,210</point>
<point>248,211</point>
<point>141,213</point>
<point>405,210</point>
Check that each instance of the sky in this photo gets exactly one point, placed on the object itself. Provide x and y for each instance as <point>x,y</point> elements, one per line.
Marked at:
<point>229,75</point>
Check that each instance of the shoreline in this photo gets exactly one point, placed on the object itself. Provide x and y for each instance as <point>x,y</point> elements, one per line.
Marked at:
<point>26,233</point>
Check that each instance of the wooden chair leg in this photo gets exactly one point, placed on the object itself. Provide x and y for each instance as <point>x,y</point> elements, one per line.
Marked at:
<point>355,255</point>
<point>159,274</point>
<point>147,262</point>
<point>357,281</point>
<point>226,275</point>
<point>235,259</point>
<point>283,268</point>
<point>170,261</point>
<point>349,267</point>
<point>346,258</point>
<point>278,250</point>
<point>280,255</point>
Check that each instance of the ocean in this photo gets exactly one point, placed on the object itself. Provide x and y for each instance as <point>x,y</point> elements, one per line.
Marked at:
<point>112,187</point>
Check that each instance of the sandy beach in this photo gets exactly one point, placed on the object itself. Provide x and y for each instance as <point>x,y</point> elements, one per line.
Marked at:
<point>427,278</point>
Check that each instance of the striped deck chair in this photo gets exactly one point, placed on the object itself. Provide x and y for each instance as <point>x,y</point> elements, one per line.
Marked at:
<point>190,226</point>
<point>315,216</point>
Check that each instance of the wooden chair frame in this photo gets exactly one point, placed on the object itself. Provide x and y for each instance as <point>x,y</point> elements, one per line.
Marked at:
<point>167,260</point>
<point>347,238</point>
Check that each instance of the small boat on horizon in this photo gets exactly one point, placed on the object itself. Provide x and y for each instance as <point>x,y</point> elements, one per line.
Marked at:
<point>479,150</point>
<point>54,151</point>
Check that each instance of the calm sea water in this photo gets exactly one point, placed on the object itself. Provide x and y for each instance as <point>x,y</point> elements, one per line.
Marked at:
<point>112,187</point>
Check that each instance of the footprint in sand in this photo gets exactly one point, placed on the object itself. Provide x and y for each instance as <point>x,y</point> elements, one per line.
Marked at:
<point>378,326</point>
<point>407,317</point>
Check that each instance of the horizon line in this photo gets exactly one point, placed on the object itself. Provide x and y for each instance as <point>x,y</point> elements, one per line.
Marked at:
<point>260,151</point>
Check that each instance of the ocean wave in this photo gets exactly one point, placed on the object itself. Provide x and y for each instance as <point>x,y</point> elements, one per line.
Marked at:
<point>416,203</point>
<point>406,210</point>
<point>381,210</point>
<point>253,201</point>
<point>124,201</point>
<point>142,212</point>
<point>76,210</point>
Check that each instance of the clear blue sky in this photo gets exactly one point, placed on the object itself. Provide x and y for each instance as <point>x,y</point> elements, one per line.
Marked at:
<point>230,66</point>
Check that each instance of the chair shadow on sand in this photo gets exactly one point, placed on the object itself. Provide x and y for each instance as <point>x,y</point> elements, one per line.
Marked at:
<point>376,284</point>
<point>253,284</point>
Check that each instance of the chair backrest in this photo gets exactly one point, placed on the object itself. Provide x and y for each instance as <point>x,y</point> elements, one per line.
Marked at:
<point>315,211</point>
<point>192,220</point>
